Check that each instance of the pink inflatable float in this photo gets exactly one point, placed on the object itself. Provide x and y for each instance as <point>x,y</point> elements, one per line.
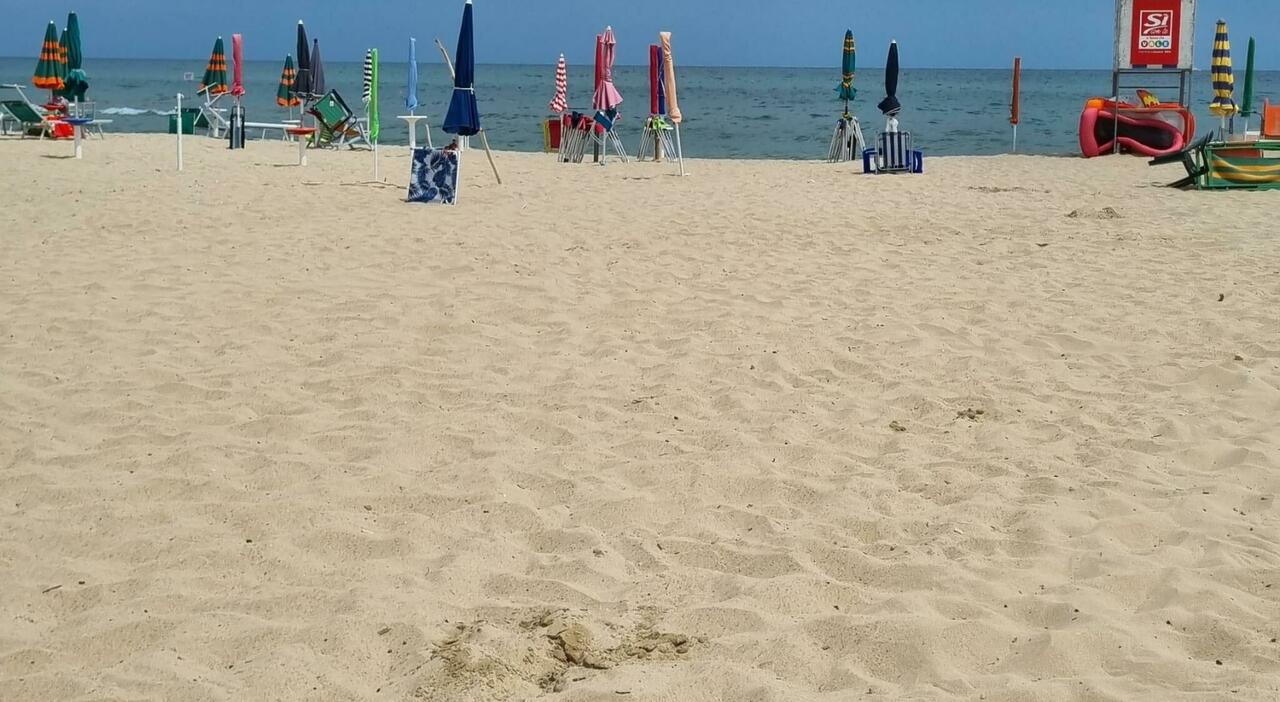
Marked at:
<point>1153,131</point>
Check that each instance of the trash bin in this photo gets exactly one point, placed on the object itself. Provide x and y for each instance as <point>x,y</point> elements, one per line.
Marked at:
<point>236,133</point>
<point>190,115</point>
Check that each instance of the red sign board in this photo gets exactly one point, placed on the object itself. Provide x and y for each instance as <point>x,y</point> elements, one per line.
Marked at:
<point>1157,29</point>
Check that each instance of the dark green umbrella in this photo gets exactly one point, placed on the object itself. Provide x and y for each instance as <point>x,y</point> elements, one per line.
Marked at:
<point>1246,103</point>
<point>49,73</point>
<point>77,82</point>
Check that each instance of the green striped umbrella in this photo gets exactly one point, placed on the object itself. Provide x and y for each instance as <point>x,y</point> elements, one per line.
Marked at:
<point>49,73</point>
<point>849,63</point>
<point>215,74</point>
<point>285,97</point>
<point>77,83</point>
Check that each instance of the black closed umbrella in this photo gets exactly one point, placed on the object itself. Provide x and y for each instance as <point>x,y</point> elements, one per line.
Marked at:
<point>302,82</point>
<point>890,105</point>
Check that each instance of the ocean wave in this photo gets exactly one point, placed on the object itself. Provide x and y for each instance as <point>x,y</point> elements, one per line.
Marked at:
<point>132,112</point>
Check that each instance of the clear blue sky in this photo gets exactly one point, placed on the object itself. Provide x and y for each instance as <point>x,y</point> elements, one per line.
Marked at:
<point>932,33</point>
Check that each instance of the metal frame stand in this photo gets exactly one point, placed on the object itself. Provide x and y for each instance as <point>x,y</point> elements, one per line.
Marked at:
<point>1147,75</point>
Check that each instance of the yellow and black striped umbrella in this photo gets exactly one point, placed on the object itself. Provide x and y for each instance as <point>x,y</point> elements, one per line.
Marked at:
<point>51,69</point>
<point>1224,83</point>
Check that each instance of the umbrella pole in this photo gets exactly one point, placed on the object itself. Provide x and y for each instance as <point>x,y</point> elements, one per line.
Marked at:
<point>679,150</point>
<point>484,139</point>
<point>1015,138</point>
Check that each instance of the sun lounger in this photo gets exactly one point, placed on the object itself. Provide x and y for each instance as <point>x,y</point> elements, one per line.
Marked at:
<point>28,117</point>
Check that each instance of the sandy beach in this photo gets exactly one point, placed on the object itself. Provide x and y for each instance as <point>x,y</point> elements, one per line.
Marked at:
<point>774,431</point>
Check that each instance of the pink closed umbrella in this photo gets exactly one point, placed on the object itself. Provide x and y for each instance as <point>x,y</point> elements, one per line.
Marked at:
<point>607,96</point>
<point>237,55</point>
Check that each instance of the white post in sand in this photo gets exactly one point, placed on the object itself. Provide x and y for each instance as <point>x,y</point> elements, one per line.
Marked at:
<point>179,130</point>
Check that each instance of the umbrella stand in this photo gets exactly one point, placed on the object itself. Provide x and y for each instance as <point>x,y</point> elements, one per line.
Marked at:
<point>484,137</point>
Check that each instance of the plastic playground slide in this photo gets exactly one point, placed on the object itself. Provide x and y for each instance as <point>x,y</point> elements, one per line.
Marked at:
<point>1153,131</point>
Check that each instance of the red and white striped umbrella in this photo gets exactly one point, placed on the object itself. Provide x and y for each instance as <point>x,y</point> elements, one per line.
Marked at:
<point>561,101</point>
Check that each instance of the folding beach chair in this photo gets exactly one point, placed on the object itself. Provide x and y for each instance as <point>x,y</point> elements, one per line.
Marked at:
<point>26,114</point>
<point>337,125</point>
<point>433,176</point>
<point>212,116</point>
<point>577,131</point>
<point>893,154</point>
<point>606,137</point>
<point>1193,159</point>
<point>655,138</point>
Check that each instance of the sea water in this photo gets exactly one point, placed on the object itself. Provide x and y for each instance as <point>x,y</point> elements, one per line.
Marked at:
<point>728,112</point>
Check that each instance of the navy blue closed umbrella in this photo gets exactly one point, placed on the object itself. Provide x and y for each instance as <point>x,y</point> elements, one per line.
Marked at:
<point>890,105</point>
<point>302,82</point>
<point>463,117</point>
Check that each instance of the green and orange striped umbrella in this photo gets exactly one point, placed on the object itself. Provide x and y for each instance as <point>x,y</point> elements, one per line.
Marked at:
<point>215,74</point>
<point>285,96</point>
<point>51,69</point>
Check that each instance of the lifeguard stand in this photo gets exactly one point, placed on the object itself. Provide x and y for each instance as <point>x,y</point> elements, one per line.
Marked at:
<point>1155,46</point>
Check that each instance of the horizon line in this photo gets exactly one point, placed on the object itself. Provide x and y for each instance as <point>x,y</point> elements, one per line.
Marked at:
<point>630,65</point>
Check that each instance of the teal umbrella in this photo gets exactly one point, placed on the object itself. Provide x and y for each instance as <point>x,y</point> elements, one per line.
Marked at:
<point>77,82</point>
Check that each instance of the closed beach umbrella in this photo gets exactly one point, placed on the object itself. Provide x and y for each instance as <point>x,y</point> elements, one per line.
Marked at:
<point>560,102</point>
<point>607,96</point>
<point>375,119</point>
<point>317,70</point>
<point>62,61</point>
<point>411,90</point>
<point>366,86</point>
<point>214,81</point>
<point>890,105</point>
<point>77,81</point>
<point>599,74</point>
<point>669,89</point>
<point>848,64</point>
<point>655,80</point>
<point>285,95</point>
<point>463,117</point>
<point>669,78</point>
<point>48,75</point>
<point>1246,103</point>
<point>1224,83</point>
<point>237,54</point>
<point>302,83</point>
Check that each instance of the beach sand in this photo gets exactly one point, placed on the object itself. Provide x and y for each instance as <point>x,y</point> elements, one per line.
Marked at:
<point>774,431</point>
